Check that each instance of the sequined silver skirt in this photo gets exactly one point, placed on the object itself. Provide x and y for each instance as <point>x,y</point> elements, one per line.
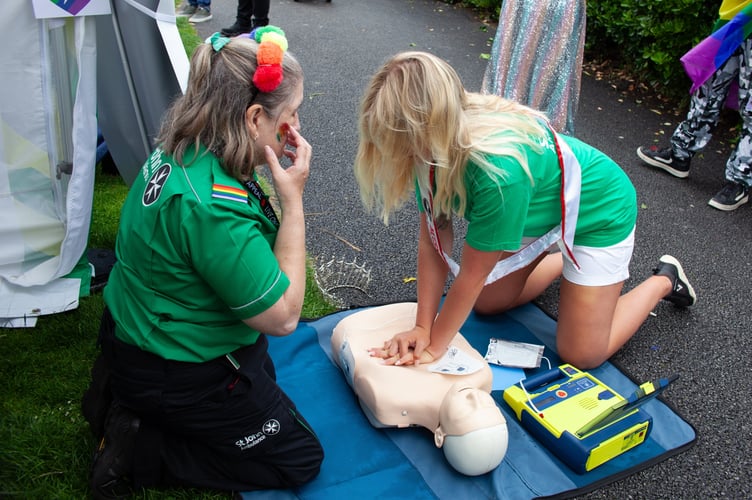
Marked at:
<point>536,57</point>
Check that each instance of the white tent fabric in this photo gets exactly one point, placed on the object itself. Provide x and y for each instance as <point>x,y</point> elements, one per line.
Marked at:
<point>47,151</point>
<point>50,105</point>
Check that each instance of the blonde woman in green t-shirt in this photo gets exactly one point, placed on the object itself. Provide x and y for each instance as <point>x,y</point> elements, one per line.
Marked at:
<point>524,190</point>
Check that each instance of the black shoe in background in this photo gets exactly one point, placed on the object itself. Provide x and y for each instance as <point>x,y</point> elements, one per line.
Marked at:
<point>235,30</point>
<point>664,159</point>
<point>730,197</point>
<point>240,28</point>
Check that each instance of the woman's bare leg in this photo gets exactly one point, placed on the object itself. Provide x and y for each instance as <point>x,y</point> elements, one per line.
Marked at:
<point>520,287</point>
<point>596,321</point>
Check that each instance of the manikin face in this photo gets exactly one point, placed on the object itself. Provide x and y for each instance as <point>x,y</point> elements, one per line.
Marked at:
<point>472,431</point>
<point>467,409</point>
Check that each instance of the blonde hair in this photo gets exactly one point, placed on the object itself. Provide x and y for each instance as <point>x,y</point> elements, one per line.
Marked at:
<point>212,111</point>
<point>416,113</point>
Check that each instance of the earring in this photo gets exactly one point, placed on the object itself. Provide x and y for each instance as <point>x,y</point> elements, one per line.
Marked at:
<point>255,138</point>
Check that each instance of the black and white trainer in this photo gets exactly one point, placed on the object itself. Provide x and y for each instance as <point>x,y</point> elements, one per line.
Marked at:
<point>682,294</point>
<point>664,159</point>
<point>731,196</point>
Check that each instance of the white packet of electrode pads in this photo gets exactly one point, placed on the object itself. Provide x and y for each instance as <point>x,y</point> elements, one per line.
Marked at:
<point>514,354</point>
<point>456,362</point>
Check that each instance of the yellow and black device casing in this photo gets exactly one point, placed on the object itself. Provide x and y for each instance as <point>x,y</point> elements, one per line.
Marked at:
<point>566,402</point>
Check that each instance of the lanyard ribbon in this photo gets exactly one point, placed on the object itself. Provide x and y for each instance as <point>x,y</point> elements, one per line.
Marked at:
<point>254,188</point>
<point>563,233</point>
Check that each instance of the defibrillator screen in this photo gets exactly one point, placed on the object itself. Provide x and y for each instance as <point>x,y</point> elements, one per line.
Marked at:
<point>542,403</point>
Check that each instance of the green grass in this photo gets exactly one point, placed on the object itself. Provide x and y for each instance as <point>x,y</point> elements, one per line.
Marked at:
<point>45,443</point>
<point>188,34</point>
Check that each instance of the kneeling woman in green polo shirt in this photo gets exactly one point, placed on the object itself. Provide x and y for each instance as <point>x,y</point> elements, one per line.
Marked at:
<point>205,270</point>
<point>525,193</point>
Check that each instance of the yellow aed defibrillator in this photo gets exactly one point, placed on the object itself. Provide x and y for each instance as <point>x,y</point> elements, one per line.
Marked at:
<point>579,418</point>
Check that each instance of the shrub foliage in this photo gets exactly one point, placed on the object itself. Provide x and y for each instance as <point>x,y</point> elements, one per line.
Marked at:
<point>648,38</point>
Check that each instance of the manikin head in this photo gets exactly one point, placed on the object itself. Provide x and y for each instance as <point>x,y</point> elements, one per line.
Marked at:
<point>472,430</point>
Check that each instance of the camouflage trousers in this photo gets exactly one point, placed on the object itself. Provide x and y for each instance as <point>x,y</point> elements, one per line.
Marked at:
<point>696,130</point>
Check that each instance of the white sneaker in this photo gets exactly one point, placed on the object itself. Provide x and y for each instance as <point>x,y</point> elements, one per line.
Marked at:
<point>202,15</point>
<point>186,10</point>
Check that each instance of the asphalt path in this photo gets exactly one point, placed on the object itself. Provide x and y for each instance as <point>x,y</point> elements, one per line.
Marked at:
<point>340,44</point>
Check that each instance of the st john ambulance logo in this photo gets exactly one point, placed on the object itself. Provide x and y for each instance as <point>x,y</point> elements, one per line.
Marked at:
<point>271,427</point>
<point>155,184</point>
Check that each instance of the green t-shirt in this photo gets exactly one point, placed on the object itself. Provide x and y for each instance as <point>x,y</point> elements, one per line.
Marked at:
<point>194,258</point>
<point>503,209</point>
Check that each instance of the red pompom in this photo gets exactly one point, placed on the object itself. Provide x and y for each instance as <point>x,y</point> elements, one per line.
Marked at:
<point>267,77</point>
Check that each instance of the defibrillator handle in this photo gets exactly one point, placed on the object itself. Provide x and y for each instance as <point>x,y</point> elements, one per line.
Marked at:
<point>543,378</point>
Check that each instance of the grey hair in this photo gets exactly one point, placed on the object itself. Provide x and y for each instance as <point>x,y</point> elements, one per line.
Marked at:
<point>212,111</point>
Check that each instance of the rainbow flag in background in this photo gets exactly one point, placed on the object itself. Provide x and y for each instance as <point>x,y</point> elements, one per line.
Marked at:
<point>706,57</point>
<point>71,6</point>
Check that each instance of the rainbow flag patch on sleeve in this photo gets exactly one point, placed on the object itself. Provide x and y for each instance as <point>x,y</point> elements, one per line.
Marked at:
<point>229,193</point>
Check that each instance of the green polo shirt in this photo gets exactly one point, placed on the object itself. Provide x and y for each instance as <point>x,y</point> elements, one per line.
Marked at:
<point>503,209</point>
<point>194,258</point>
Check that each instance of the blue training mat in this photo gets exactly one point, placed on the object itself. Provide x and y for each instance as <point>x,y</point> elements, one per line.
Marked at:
<point>364,462</point>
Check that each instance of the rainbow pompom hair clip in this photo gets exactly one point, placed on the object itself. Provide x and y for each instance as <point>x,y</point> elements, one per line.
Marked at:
<point>271,51</point>
<point>272,47</point>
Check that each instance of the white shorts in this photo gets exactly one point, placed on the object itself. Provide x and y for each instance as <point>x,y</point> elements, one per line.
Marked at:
<point>600,266</point>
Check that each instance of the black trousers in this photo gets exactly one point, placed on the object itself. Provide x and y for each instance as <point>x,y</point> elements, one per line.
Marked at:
<point>209,424</point>
<point>258,9</point>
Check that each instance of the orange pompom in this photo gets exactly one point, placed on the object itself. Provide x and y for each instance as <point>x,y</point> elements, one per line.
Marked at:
<point>269,53</point>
